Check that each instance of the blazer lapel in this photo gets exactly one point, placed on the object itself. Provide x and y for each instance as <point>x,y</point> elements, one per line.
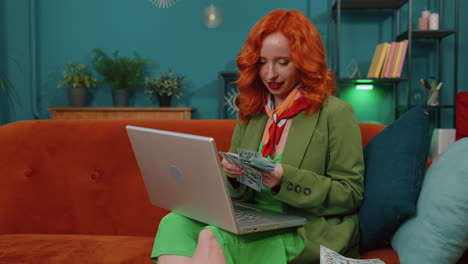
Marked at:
<point>299,137</point>
<point>254,130</point>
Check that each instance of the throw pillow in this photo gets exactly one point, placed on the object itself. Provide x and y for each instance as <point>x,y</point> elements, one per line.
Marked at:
<point>461,115</point>
<point>439,231</point>
<point>395,161</point>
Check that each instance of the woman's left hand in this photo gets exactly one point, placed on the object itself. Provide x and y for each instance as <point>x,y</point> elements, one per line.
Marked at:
<point>272,179</point>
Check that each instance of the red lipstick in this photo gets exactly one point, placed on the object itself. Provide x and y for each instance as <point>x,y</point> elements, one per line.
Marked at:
<point>274,85</point>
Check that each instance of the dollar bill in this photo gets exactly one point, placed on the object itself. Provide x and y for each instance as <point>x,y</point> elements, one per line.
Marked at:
<point>245,154</point>
<point>328,256</point>
<point>251,176</point>
<point>256,160</point>
<point>262,163</point>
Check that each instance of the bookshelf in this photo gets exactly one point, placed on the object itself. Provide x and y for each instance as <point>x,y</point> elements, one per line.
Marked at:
<point>369,4</point>
<point>401,102</point>
<point>434,34</point>
<point>373,80</point>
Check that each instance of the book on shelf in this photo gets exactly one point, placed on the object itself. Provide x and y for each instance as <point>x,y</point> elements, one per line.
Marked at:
<point>396,59</point>
<point>381,51</point>
<point>381,69</point>
<point>387,72</point>
<point>402,56</point>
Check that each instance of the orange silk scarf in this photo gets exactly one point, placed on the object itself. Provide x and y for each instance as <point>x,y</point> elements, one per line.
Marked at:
<point>289,108</point>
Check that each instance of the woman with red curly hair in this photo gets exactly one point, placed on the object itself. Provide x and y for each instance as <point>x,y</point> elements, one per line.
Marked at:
<point>288,113</point>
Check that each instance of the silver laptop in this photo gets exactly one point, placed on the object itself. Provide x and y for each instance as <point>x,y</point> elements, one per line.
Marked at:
<point>182,173</point>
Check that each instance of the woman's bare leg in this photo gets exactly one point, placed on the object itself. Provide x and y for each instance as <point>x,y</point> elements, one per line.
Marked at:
<point>174,259</point>
<point>208,251</point>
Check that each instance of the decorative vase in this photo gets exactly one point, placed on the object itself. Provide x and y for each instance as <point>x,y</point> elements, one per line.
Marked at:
<point>164,100</point>
<point>120,97</point>
<point>77,97</point>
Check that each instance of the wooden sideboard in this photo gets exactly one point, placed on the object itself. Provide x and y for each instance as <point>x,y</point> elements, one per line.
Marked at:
<point>120,112</point>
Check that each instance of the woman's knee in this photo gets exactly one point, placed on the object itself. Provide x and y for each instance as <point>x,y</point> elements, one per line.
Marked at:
<point>174,218</point>
<point>207,237</point>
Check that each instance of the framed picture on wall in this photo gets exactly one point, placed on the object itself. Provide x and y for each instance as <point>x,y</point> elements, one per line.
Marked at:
<point>227,94</point>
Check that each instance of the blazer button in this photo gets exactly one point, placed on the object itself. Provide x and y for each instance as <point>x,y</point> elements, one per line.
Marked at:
<point>307,191</point>
<point>297,188</point>
<point>290,187</point>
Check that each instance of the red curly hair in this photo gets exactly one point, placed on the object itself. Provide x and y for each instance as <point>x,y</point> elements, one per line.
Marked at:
<point>307,52</point>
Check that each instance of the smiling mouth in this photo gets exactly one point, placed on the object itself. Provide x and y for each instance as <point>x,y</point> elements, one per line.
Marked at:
<point>274,85</point>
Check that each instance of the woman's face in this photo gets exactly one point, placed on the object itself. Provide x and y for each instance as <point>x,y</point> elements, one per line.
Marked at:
<point>277,71</point>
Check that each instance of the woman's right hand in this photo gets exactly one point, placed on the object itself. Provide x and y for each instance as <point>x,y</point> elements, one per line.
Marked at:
<point>232,170</point>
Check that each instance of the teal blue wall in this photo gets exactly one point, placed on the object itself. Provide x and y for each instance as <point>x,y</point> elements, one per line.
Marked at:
<point>39,37</point>
<point>63,30</point>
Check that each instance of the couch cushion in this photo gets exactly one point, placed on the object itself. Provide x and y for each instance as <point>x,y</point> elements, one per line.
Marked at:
<point>50,249</point>
<point>81,177</point>
<point>369,131</point>
<point>395,160</point>
<point>439,231</point>
<point>387,255</point>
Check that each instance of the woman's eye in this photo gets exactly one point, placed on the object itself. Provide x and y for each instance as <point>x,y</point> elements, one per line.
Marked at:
<point>261,62</point>
<point>283,63</point>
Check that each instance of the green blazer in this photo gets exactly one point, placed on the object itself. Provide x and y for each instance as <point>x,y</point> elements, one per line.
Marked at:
<point>323,175</point>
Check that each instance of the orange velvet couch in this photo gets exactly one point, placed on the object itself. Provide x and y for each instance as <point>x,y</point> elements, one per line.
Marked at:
<point>71,191</point>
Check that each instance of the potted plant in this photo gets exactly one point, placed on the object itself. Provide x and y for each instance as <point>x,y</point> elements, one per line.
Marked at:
<point>164,87</point>
<point>120,73</point>
<point>78,79</point>
<point>7,88</point>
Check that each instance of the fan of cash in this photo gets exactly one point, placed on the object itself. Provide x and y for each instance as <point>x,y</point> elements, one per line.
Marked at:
<point>251,163</point>
<point>329,256</point>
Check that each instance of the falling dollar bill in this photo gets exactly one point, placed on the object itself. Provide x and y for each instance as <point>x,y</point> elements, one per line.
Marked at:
<point>328,256</point>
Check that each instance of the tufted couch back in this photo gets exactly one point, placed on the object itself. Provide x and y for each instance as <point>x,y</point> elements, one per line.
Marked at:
<point>80,176</point>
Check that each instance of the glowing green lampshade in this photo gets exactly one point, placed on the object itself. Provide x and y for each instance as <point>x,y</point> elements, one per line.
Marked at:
<point>363,86</point>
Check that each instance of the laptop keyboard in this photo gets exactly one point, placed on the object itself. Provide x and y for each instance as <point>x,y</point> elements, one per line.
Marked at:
<point>242,216</point>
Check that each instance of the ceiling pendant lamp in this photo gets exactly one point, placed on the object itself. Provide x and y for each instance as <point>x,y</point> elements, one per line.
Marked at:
<point>163,3</point>
<point>212,17</point>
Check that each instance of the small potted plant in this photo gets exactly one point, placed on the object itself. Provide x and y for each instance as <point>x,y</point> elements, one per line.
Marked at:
<point>8,90</point>
<point>11,97</point>
<point>120,73</point>
<point>164,87</point>
<point>78,79</point>
<point>6,87</point>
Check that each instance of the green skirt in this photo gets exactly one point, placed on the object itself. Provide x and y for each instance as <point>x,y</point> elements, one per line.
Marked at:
<point>178,235</point>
